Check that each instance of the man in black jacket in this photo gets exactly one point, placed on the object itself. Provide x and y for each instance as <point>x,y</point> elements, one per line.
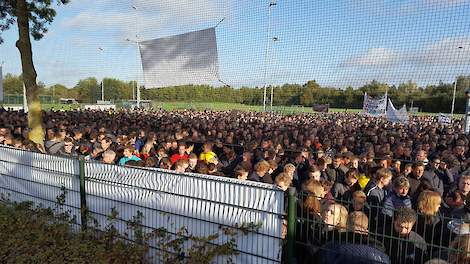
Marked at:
<point>403,245</point>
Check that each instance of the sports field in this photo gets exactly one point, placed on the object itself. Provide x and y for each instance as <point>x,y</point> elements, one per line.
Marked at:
<point>218,106</point>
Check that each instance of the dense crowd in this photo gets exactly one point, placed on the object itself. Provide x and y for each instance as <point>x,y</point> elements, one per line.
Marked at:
<point>382,190</point>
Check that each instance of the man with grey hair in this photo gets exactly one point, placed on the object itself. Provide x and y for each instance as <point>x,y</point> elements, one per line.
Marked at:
<point>109,156</point>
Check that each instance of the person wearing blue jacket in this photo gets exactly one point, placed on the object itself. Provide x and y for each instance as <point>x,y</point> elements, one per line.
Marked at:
<point>398,197</point>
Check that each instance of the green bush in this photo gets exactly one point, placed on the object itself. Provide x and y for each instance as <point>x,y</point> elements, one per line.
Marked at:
<point>37,235</point>
<point>31,235</point>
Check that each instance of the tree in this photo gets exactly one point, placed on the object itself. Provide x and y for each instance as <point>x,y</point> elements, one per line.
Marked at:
<point>88,90</point>
<point>349,97</point>
<point>463,83</point>
<point>31,17</point>
<point>13,84</point>
<point>374,88</point>
<point>61,91</point>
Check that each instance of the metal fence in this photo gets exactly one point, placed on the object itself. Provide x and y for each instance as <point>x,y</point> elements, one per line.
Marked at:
<point>167,201</point>
<point>160,199</point>
<point>312,240</point>
<point>17,99</point>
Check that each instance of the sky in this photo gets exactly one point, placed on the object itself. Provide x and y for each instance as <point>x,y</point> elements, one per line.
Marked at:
<point>338,43</point>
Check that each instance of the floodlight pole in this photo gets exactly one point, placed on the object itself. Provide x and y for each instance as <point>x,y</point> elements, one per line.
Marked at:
<point>453,99</point>
<point>275,39</point>
<point>102,80</point>
<point>136,81</point>
<point>133,91</point>
<point>138,51</point>
<point>467,112</point>
<point>271,100</point>
<point>102,90</point>
<point>138,94</point>
<point>266,52</point>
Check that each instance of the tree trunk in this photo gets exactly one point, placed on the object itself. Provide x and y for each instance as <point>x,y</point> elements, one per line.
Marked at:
<point>23,44</point>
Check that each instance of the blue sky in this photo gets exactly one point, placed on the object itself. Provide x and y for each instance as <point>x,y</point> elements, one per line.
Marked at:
<point>338,43</point>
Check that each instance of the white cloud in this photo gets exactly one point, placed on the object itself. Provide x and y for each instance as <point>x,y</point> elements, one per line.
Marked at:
<point>446,3</point>
<point>374,57</point>
<point>149,17</point>
<point>430,63</point>
<point>448,51</point>
<point>445,52</point>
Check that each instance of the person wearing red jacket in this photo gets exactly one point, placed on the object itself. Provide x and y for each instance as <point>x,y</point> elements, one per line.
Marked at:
<point>182,153</point>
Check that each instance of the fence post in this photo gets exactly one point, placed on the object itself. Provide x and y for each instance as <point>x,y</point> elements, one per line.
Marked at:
<point>83,208</point>
<point>291,220</point>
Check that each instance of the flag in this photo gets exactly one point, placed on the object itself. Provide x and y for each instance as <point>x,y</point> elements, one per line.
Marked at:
<point>397,116</point>
<point>189,58</point>
<point>374,107</point>
<point>444,119</point>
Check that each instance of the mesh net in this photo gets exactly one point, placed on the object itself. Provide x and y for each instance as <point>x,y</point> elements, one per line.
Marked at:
<point>339,44</point>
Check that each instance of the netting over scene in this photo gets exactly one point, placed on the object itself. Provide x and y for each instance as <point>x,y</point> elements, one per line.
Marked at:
<point>327,161</point>
<point>415,49</point>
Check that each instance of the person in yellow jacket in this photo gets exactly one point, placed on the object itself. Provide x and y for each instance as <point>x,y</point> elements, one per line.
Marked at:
<point>207,154</point>
<point>362,179</point>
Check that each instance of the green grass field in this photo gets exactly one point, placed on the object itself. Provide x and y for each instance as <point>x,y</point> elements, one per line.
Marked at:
<point>218,106</point>
<point>234,106</point>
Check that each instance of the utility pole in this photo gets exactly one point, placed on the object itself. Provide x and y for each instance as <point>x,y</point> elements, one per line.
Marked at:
<point>102,81</point>
<point>453,99</point>
<point>266,52</point>
<point>275,39</point>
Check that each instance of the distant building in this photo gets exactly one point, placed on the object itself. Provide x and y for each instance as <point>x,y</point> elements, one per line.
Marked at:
<point>68,101</point>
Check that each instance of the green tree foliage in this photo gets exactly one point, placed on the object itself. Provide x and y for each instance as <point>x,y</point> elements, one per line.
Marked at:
<point>463,83</point>
<point>61,91</point>
<point>31,18</point>
<point>115,89</point>
<point>432,98</point>
<point>12,84</point>
<point>88,90</point>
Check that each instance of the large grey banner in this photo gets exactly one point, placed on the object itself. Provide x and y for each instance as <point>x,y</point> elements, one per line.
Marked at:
<point>189,58</point>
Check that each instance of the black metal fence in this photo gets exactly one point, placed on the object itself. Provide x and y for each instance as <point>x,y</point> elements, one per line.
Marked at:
<point>319,231</point>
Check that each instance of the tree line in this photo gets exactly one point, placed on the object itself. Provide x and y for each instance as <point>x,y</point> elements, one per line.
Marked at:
<point>431,98</point>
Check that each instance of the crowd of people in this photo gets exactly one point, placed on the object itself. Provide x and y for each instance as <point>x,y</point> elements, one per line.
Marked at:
<point>389,191</point>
